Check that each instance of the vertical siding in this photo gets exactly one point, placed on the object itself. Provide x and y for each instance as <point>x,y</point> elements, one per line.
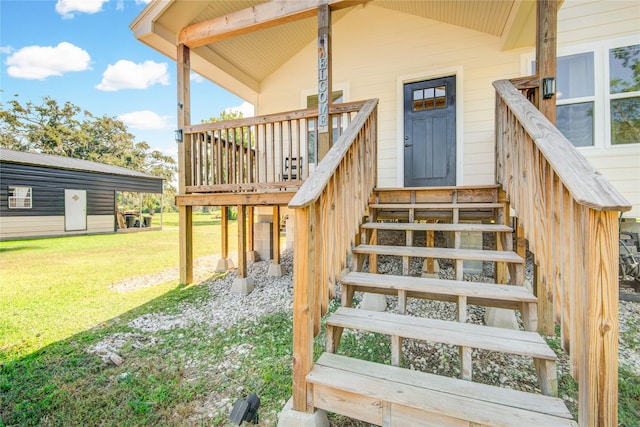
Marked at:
<point>374,47</point>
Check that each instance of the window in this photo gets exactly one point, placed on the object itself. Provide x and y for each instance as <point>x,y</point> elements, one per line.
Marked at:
<point>430,98</point>
<point>598,94</point>
<point>575,98</point>
<point>624,94</point>
<point>19,197</point>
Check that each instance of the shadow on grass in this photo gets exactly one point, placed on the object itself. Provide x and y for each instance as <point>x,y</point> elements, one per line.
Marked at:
<point>19,248</point>
<point>168,377</point>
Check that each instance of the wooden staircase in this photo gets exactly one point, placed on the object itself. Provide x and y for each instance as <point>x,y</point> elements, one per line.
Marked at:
<point>394,396</point>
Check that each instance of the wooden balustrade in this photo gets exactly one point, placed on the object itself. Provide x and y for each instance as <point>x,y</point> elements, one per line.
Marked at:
<point>569,212</point>
<point>328,211</point>
<point>257,153</point>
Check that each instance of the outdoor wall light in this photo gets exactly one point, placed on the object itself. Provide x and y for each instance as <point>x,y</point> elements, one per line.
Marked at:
<point>245,410</point>
<point>178,135</point>
<point>548,87</point>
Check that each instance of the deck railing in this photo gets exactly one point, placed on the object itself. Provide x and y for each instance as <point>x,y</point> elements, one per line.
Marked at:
<point>570,217</point>
<point>328,211</point>
<point>257,153</point>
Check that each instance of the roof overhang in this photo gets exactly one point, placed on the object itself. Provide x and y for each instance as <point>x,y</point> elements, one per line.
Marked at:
<point>239,43</point>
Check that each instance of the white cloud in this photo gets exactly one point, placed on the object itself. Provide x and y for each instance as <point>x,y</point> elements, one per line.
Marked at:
<point>245,108</point>
<point>6,49</point>
<point>128,75</point>
<point>196,78</point>
<point>67,8</point>
<point>145,120</point>
<point>143,1</point>
<point>40,62</point>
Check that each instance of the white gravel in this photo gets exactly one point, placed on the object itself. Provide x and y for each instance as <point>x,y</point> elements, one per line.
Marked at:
<point>223,309</point>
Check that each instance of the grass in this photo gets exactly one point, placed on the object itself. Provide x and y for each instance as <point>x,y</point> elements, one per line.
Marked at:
<point>628,382</point>
<point>190,376</point>
<point>53,288</point>
<point>163,384</point>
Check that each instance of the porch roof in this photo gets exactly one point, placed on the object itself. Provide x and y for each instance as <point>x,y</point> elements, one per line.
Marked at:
<point>239,63</point>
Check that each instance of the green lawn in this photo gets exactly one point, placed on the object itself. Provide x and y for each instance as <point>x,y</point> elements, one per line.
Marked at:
<point>53,288</point>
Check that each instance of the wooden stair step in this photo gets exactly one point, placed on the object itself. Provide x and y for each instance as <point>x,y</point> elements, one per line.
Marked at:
<point>436,206</point>
<point>434,330</point>
<point>389,395</point>
<point>432,288</point>
<point>446,253</point>
<point>421,226</point>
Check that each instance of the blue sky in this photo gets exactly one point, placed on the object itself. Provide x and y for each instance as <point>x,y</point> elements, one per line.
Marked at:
<point>83,51</point>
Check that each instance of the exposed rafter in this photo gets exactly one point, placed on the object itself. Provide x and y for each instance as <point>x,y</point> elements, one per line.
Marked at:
<point>259,17</point>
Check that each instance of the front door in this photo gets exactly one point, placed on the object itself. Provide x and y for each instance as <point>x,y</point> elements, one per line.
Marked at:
<point>430,133</point>
<point>75,210</point>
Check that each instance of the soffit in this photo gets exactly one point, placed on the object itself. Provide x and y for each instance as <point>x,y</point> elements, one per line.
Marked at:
<point>250,58</point>
<point>486,16</point>
<point>257,54</point>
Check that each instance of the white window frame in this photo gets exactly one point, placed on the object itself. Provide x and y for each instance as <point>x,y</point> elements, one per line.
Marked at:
<point>602,97</point>
<point>20,201</point>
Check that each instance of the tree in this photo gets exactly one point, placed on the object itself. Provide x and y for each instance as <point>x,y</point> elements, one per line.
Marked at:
<point>242,135</point>
<point>69,131</point>
<point>625,77</point>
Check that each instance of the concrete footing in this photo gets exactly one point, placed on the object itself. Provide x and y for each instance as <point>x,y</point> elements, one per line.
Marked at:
<point>242,286</point>
<point>373,302</point>
<point>436,270</point>
<point>225,264</point>
<point>275,270</point>
<point>290,418</point>
<point>501,318</point>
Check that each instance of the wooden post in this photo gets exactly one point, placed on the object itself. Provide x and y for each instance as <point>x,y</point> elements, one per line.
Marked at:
<point>184,165</point>
<point>325,89</point>
<point>224,232</point>
<point>502,218</point>
<point>546,325</point>
<point>598,376</point>
<point>303,305</point>
<point>250,215</point>
<point>242,242</point>
<point>276,234</point>
<point>546,40</point>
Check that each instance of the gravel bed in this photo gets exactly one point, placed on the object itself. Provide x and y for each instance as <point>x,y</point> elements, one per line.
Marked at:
<point>222,309</point>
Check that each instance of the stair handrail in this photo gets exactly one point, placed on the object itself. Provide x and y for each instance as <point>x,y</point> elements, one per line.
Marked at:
<point>569,212</point>
<point>328,207</point>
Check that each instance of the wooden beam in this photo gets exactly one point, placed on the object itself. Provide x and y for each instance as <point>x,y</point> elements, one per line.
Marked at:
<point>259,17</point>
<point>546,52</point>
<point>217,199</point>
<point>185,219</point>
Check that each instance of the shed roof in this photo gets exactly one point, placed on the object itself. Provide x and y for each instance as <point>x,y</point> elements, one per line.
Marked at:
<point>61,162</point>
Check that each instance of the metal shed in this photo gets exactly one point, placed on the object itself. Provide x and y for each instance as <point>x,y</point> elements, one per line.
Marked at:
<point>47,195</point>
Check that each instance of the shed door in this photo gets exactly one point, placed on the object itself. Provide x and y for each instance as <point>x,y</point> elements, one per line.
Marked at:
<point>75,210</point>
<point>430,133</point>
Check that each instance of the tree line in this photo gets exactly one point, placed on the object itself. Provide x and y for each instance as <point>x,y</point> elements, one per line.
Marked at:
<point>67,130</point>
